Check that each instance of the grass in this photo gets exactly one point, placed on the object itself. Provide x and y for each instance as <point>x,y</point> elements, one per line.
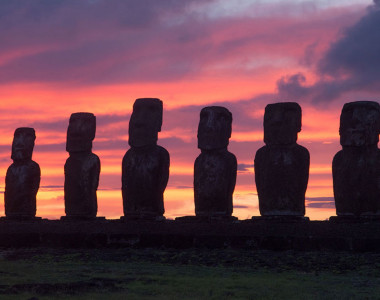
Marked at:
<point>186,274</point>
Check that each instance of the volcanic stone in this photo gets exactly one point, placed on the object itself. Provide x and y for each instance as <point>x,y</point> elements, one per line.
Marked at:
<point>282,166</point>
<point>145,167</point>
<point>215,168</point>
<point>82,168</point>
<point>23,177</point>
<point>356,168</point>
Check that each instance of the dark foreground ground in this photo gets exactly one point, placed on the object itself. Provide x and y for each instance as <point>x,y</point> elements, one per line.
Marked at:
<point>361,235</point>
<point>47,273</point>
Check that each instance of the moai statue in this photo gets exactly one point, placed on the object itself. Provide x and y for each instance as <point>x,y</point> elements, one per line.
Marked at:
<point>215,168</point>
<point>82,168</point>
<point>23,177</point>
<point>145,167</point>
<point>282,166</point>
<point>356,168</point>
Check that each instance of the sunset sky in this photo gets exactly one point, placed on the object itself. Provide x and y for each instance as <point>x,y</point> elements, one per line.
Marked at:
<point>63,56</point>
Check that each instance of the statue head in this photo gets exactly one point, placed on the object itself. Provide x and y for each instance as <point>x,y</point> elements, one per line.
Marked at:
<point>282,122</point>
<point>214,129</point>
<point>360,124</point>
<point>23,144</point>
<point>145,122</point>
<point>81,132</point>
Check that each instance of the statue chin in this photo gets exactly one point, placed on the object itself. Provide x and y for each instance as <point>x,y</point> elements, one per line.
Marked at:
<point>212,142</point>
<point>142,141</point>
<point>21,155</point>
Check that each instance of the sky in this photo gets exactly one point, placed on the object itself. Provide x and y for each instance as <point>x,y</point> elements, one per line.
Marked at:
<point>58,57</point>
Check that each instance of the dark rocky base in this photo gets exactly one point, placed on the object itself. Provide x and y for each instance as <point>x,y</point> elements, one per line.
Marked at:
<point>202,219</point>
<point>81,218</point>
<point>20,218</point>
<point>142,218</point>
<point>354,219</point>
<point>263,234</point>
<point>280,219</point>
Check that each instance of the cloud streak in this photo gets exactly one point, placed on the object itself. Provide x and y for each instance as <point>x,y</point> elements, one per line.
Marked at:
<point>320,202</point>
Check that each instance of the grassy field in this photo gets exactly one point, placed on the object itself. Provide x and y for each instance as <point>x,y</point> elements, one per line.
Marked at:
<point>186,274</point>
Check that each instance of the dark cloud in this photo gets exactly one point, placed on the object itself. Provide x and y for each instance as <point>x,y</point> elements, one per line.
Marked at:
<point>320,202</point>
<point>291,87</point>
<point>245,150</point>
<point>56,147</point>
<point>356,52</point>
<point>87,41</point>
<point>184,118</point>
<point>62,20</point>
<point>97,62</point>
<point>104,120</point>
<point>181,187</point>
<point>352,63</point>
<point>52,187</point>
<point>244,167</point>
<point>5,148</point>
<point>109,189</point>
<point>309,58</point>
<point>241,206</point>
<point>179,146</point>
<point>294,88</point>
<point>319,199</point>
<point>321,205</point>
<point>187,117</point>
<point>59,125</point>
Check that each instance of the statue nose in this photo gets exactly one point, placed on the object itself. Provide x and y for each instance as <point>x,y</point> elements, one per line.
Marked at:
<point>19,143</point>
<point>210,121</point>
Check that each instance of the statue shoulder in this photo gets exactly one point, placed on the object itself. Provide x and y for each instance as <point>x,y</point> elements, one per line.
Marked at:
<point>261,152</point>
<point>303,151</point>
<point>163,152</point>
<point>34,165</point>
<point>231,157</point>
<point>338,157</point>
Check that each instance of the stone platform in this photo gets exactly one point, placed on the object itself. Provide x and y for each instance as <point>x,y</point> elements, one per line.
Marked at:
<point>248,234</point>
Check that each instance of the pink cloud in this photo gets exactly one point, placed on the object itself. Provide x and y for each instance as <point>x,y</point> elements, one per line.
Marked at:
<point>80,44</point>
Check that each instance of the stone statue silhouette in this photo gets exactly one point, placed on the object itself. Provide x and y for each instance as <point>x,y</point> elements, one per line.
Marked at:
<point>356,168</point>
<point>23,177</point>
<point>82,168</point>
<point>215,168</point>
<point>282,166</point>
<point>145,167</point>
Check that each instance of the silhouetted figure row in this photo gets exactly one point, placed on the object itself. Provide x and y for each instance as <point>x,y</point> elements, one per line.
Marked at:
<point>281,166</point>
